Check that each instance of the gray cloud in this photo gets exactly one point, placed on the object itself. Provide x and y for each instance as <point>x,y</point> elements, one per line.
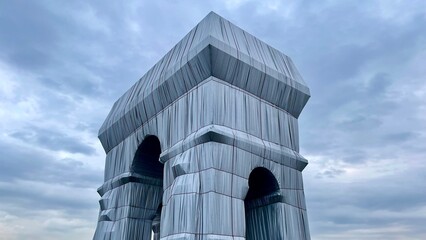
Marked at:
<point>36,187</point>
<point>28,40</point>
<point>20,162</point>
<point>50,139</point>
<point>330,173</point>
<point>373,204</point>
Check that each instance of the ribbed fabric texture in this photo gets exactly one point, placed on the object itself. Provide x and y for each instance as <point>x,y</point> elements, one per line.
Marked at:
<point>218,106</point>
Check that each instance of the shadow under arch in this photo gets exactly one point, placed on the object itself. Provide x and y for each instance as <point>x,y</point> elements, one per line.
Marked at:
<point>261,183</point>
<point>147,158</point>
<point>261,205</point>
<point>146,162</point>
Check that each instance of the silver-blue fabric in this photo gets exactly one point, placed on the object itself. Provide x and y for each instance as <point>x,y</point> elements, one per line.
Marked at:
<point>221,103</point>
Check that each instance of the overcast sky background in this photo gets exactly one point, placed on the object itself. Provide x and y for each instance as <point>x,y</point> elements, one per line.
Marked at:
<point>64,63</point>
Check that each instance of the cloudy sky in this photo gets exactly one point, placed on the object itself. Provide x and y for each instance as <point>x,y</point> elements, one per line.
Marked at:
<point>64,63</point>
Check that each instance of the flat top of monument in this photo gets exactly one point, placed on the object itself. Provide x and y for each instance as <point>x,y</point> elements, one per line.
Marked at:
<point>214,25</point>
<point>212,30</point>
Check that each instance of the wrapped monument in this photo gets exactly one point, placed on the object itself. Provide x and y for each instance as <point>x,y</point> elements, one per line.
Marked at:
<point>205,145</point>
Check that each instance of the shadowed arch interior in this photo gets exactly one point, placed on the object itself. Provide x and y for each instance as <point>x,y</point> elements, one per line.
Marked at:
<point>146,161</point>
<point>261,206</point>
<point>261,183</point>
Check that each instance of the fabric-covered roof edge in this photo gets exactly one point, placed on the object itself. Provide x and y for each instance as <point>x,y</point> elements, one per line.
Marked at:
<point>214,31</point>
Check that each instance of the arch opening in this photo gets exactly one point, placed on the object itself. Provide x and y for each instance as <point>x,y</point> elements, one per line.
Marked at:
<point>147,158</point>
<point>147,163</point>
<point>261,183</point>
<point>260,205</point>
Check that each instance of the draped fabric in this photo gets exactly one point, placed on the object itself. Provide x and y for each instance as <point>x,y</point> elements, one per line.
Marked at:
<point>220,104</point>
<point>215,47</point>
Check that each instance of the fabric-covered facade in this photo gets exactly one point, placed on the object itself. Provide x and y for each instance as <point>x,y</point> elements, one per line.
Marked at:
<point>205,145</point>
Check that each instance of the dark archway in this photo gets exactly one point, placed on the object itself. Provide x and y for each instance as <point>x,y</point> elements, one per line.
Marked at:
<point>261,183</point>
<point>147,163</point>
<point>260,201</point>
<point>147,158</point>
